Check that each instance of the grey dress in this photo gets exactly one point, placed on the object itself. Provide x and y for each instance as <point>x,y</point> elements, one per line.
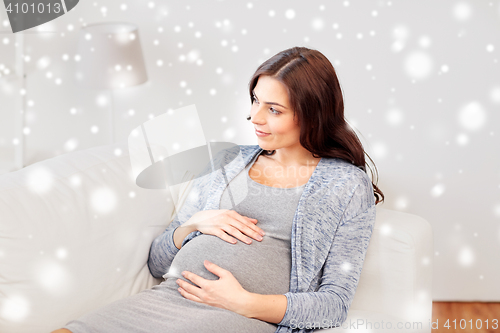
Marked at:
<point>260,267</point>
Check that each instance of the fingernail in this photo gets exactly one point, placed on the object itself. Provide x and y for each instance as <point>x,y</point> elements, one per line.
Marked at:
<point>259,238</point>
<point>183,273</point>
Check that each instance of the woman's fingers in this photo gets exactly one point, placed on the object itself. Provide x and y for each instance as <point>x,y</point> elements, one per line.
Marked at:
<point>224,236</point>
<point>248,228</point>
<point>228,225</point>
<point>246,221</point>
<point>236,233</point>
<point>253,223</point>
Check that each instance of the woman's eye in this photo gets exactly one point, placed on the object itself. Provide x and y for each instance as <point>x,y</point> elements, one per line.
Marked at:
<point>273,111</point>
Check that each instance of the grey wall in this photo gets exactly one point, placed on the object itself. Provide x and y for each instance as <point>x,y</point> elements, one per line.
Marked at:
<point>421,81</point>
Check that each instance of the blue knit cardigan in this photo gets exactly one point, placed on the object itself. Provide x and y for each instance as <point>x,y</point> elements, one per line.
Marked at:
<point>331,231</point>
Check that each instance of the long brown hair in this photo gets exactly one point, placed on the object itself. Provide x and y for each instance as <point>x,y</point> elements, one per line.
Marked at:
<point>316,98</point>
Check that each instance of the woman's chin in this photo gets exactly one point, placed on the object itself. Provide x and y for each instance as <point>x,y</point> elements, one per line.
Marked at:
<point>265,146</point>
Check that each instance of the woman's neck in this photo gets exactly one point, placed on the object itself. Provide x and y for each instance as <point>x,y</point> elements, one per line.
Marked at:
<point>287,157</point>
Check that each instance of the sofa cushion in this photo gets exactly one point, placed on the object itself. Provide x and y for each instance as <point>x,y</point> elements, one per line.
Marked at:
<point>75,233</point>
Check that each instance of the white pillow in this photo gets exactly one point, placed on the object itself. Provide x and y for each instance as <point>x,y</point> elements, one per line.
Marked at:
<point>75,233</point>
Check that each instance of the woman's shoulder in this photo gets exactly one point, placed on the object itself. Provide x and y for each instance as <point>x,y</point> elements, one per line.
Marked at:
<point>230,151</point>
<point>349,187</point>
<point>231,156</point>
<point>249,149</point>
<point>246,152</point>
<point>339,173</point>
<point>337,168</point>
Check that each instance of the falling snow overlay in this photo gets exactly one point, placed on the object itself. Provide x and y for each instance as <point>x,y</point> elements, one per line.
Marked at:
<point>421,85</point>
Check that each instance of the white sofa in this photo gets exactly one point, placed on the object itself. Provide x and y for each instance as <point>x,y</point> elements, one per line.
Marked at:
<point>75,232</point>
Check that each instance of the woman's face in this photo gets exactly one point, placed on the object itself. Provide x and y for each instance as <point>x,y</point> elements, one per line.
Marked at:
<point>271,113</point>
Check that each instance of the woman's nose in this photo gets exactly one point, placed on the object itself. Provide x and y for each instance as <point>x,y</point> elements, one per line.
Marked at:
<point>256,116</point>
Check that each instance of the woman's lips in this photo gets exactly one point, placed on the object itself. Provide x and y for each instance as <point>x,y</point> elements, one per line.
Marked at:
<point>259,133</point>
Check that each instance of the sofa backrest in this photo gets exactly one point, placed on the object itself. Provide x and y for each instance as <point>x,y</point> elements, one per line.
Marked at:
<point>397,272</point>
<point>75,232</point>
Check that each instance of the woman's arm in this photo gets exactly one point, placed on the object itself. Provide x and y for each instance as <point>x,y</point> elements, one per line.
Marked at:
<point>164,247</point>
<point>328,306</point>
<point>270,308</point>
<point>180,233</point>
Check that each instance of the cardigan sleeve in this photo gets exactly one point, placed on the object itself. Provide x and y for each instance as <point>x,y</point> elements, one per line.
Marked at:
<point>163,249</point>
<point>329,304</point>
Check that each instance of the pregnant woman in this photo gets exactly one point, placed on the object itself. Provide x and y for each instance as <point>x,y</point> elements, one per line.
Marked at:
<point>275,240</point>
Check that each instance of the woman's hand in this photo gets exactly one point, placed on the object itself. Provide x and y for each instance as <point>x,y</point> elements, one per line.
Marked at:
<point>223,223</point>
<point>225,293</point>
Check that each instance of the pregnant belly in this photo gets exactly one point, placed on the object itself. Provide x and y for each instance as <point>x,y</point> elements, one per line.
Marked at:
<point>259,268</point>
